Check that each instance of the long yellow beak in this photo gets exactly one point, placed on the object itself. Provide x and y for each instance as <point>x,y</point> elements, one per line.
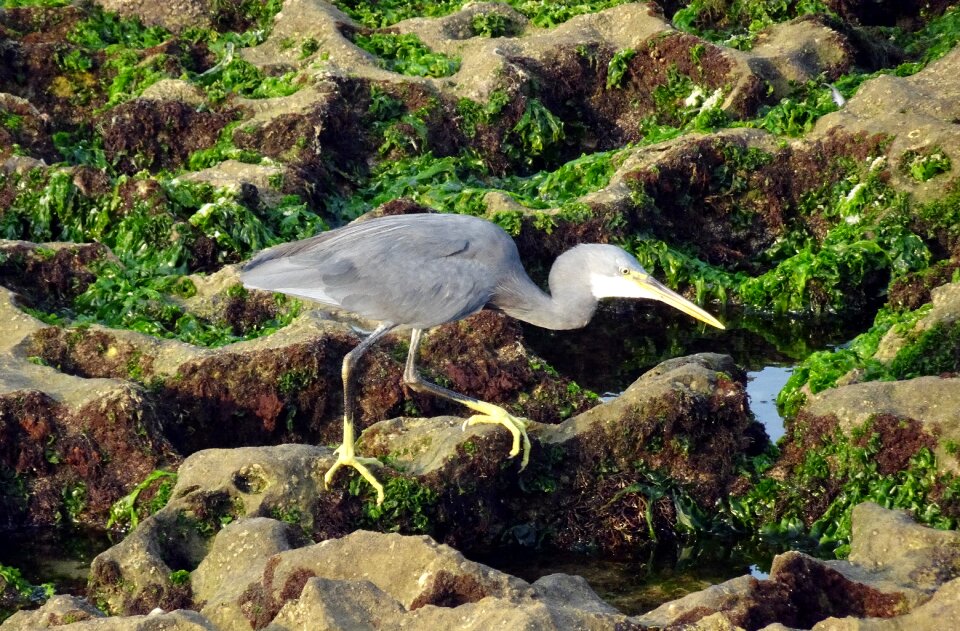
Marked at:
<point>656,290</point>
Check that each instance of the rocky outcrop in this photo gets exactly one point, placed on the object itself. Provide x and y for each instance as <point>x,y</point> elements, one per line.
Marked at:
<point>899,575</point>
<point>261,573</point>
<point>918,113</point>
<point>684,422</point>
<point>930,403</point>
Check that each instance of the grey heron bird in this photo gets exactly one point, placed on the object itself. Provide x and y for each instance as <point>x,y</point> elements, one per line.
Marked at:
<point>420,271</point>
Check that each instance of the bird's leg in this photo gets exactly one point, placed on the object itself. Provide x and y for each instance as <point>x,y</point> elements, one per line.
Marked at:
<point>488,412</point>
<point>346,456</point>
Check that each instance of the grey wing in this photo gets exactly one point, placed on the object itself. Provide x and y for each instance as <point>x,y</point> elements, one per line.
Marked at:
<point>417,270</point>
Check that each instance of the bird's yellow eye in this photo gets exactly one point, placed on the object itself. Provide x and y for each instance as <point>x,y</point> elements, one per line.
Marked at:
<point>624,271</point>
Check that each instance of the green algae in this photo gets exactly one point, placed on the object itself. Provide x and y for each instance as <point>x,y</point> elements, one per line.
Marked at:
<point>543,14</point>
<point>814,500</point>
<point>406,54</point>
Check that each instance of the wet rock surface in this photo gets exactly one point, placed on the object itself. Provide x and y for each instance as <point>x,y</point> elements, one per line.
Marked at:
<point>926,409</point>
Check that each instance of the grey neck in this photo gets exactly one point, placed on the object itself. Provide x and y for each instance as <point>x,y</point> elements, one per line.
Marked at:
<point>569,305</point>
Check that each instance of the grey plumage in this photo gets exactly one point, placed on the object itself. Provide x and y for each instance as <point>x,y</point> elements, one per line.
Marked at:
<point>416,270</point>
<point>423,270</point>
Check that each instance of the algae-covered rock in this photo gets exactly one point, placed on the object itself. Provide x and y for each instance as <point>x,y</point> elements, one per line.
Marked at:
<point>931,402</point>
<point>897,575</point>
<point>685,422</point>
<point>369,580</point>
<point>261,573</point>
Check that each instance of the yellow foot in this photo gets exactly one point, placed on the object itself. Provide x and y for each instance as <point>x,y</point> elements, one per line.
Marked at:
<point>360,464</point>
<point>490,413</point>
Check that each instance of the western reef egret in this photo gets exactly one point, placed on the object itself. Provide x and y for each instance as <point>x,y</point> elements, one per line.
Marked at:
<point>420,271</point>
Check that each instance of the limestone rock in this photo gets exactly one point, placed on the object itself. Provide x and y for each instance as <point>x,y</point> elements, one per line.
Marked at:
<point>237,558</point>
<point>898,572</point>
<point>938,613</point>
<point>891,544</point>
<point>174,90</point>
<point>798,51</point>
<point>234,175</point>
<point>916,112</point>
<point>448,479</point>
<point>76,614</point>
<point>254,576</point>
<point>175,15</point>
<point>945,301</point>
<point>933,401</point>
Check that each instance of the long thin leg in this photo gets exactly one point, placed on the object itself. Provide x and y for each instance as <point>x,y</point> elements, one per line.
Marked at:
<point>346,457</point>
<point>488,412</point>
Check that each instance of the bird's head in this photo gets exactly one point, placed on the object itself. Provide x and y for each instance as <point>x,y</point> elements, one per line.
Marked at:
<point>613,273</point>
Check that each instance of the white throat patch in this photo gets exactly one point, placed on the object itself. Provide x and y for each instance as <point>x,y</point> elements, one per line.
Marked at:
<point>605,286</point>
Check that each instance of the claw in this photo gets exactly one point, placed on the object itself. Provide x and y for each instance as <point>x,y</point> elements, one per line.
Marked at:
<point>360,464</point>
<point>496,415</point>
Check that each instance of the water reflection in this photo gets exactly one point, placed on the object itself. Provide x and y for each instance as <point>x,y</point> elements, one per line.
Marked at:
<point>627,338</point>
<point>61,556</point>
<point>763,386</point>
<point>641,583</point>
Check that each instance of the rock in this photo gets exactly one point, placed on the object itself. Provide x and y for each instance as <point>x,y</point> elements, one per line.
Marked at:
<point>31,133</point>
<point>898,572</point>
<point>76,614</point>
<point>446,481</point>
<point>233,175</point>
<point>254,576</point>
<point>175,15</point>
<point>135,575</point>
<point>945,310</point>
<point>890,544</point>
<point>792,53</point>
<point>715,598</point>
<point>330,605</point>
<point>933,402</point>
<point>58,610</point>
<point>942,607</point>
<point>236,559</point>
<point>59,433</point>
<point>151,134</point>
<point>915,112</point>
<point>258,573</point>
<point>174,90</point>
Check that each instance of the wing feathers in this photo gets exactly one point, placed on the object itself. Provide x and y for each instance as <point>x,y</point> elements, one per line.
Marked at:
<point>418,270</point>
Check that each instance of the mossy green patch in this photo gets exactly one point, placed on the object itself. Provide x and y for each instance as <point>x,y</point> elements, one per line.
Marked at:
<point>796,114</point>
<point>492,24</point>
<point>822,369</point>
<point>815,500</point>
<point>935,351</point>
<point>233,75</point>
<point>617,67</point>
<point>407,54</point>
<point>29,594</point>
<point>180,577</point>
<point>407,506</point>
<point>224,149</point>
<point>923,165</point>
<point>127,512</point>
<point>153,240</point>
<point>737,22</point>
<point>543,14</point>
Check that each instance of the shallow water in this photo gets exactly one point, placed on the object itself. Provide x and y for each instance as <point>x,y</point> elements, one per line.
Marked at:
<point>641,583</point>
<point>61,556</point>
<point>763,386</point>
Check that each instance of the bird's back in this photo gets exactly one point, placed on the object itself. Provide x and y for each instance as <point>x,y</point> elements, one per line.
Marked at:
<point>416,270</point>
